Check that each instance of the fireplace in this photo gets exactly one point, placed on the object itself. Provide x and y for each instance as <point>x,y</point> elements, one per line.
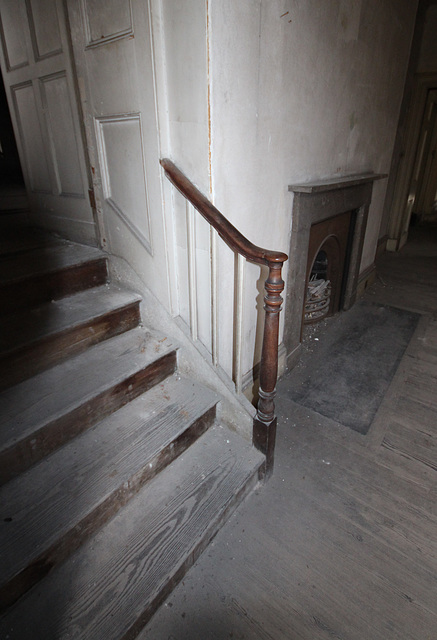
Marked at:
<point>329,219</point>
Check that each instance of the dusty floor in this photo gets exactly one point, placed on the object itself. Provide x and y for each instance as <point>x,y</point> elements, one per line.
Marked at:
<point>342,542</point>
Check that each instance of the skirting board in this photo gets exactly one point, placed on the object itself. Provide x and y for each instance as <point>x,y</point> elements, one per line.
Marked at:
<point>382,246</point>
<point>365,279</point>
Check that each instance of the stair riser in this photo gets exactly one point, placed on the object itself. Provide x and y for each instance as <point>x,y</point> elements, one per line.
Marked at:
<point>27,452</point>
<point>71,540</point>
<point>23,294</point>
<point>183,568</point>
<point>29,360</point>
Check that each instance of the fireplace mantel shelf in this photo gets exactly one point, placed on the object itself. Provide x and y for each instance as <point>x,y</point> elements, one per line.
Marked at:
<point>340,182</point>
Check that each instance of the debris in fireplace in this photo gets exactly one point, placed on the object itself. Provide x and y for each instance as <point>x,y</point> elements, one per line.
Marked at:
<point>318,299</point>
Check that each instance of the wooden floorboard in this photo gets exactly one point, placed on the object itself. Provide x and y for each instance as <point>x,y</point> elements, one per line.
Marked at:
<point>342,542</point>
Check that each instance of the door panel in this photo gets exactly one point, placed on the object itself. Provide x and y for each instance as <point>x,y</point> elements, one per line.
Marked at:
<point>57,108</point>
<point>32,140</point>
<point>106,20</point>
<point>119,145</point>
<point>13,34</point>
<point>44,28</point>
<point>38,77</point>
<point>113,56</point>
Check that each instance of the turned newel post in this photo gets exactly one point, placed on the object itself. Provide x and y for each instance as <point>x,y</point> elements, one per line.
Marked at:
<point>264,427</point>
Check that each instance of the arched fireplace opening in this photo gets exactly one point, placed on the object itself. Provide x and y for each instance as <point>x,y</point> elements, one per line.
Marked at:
<point>327,266</point>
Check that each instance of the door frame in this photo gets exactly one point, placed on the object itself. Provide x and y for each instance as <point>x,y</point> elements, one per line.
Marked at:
<point>402,200</point>
<point>427,182</point>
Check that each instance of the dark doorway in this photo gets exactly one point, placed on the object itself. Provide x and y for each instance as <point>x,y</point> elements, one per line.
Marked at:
<point>10,167</point>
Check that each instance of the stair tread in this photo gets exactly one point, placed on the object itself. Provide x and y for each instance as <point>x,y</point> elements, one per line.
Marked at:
<point>44,260</point>
<point>56,495</point>
<point>22,239</point>
<point>111,585</point>
<point>26,407</point>
<point>23,328</point>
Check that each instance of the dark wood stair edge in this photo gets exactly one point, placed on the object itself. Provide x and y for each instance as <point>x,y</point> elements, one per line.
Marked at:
<point>33,290</point>
<point>11,591</point>
<point>192,557</point>
<point>35,446</point>
<point>57,347</point>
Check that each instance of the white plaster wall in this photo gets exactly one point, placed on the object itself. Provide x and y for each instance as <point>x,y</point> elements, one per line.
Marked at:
<point>301,90</point>
<point>186,66</point>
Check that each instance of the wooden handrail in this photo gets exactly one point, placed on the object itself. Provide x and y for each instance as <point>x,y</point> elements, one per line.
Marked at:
<point>264,427</point>
<point>233,238</point>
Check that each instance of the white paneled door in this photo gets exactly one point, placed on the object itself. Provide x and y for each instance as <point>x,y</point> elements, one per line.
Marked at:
<point>112,45</point>
<point>38,75</point>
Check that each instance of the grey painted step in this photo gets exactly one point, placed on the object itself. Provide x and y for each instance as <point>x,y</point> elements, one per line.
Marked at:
<point>33,340</point>
<point>13,198</point>
<point>40,414</point>
<point>49,273</point>
<point>49,510</point>
<point>111,586</point>
<point>18,239</point>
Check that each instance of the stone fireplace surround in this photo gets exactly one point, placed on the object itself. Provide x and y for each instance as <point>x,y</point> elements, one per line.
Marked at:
<point>314,202</point>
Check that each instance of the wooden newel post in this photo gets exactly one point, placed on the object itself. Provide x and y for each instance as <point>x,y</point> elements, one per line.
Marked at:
<point>264,424</point>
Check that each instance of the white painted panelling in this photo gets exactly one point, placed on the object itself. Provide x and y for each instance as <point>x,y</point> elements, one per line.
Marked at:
<point>13,34</point>
<point>32,138</point>
<point>203,277</point>
<point>194,260</point>
<point>107,20</point>
<point>225,304</point>
<point>192,271</point>
<point>65,155</point>
<point>181,250</point>
<point>239,322</point>
<point>44,28</point>
<point>122,162</point>
<point>214,295</point>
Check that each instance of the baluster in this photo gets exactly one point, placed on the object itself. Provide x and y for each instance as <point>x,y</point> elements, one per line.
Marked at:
<point>264,424</point>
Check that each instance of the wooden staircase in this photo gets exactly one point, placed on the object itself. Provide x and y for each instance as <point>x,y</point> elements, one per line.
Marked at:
<point>115,471</point>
